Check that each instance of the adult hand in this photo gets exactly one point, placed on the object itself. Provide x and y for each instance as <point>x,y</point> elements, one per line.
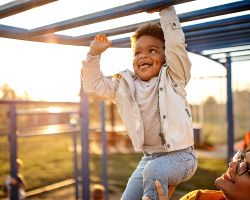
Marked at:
<point>160,192</point>
<point>99,45</point>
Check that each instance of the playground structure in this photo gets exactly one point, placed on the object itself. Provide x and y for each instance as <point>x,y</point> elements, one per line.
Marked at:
<point>224,41</point>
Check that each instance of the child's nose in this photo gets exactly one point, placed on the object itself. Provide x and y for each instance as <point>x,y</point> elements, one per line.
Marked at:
<point>143,55</point>
<point>233,165</point>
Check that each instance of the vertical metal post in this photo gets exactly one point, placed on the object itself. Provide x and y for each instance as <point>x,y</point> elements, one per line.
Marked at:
<point>73,123</point>
<point>84,113</point>
<point>230,116</point>
<point>13,149</point>
<point>75,165</point>
<point>112,116</point>
<point>104,150</point>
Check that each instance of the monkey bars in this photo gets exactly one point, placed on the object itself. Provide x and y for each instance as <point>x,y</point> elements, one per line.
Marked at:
<point>224,40</point>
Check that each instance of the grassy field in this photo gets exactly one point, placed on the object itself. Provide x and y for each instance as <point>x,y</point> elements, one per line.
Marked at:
<point>49,159</point>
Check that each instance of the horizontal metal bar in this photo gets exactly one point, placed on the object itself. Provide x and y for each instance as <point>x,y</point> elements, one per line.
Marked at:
<point>218,36</point>
<point>225,50</point>
<point>115,31</point>
<point>218,23</point>
<point>122,42</point>
<point>18,33</point>
<point>208,77</point>
<point>235,59</point>
<point>190,28</point>
<point>183,17</point>
<point>241,58</point>
<point>46,111</point>
<point>46,134</point>
<point>228,38</point>
<point>15,7</point>
<point>35,193</point>
<point>213,24</point>
<point>21,34</point>
<point>218,44</point>
<point>3,134</point>
<point>211,31</point>
<point>112,13</point>
<point>100,16</point>
<point>37,102</point>
<point>125,42</point>
<point>230,54</point>
<point>215,11</point>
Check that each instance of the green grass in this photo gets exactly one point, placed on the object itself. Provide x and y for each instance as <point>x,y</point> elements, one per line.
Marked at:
<point>208,170</point>
<point>48,159</point>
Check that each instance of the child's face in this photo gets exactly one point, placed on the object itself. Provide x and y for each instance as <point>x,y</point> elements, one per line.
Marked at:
<point>148,57</point>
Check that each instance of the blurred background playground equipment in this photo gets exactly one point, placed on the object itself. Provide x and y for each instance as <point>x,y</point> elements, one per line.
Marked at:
<point>223,40</point>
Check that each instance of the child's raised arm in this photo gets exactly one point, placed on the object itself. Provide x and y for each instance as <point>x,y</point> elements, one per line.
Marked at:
<point>93,81</point>
<point>99,45</point>
<point>175,47</point>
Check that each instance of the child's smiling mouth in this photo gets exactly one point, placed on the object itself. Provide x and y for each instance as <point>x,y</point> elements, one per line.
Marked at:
<point>144,65</point>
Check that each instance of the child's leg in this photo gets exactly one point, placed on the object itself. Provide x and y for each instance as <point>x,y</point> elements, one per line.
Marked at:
<point>170,169</point>
<point>134,190</point>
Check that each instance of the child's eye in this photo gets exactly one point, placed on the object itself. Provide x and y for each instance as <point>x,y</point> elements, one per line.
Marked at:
<point>153,51</point>
<point>137,53</point>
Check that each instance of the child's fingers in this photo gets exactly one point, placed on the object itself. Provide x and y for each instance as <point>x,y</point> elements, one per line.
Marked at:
<point>103,38</point>
<point>97,38</point>
<point>109,43</point>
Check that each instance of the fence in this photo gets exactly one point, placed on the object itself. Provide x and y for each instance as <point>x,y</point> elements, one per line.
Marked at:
<point>46,114</point>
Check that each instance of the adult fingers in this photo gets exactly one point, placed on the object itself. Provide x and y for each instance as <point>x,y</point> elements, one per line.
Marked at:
<point>160,191</point>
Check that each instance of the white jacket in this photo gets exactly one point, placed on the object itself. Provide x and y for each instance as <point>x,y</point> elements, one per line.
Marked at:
<point>175,113</point>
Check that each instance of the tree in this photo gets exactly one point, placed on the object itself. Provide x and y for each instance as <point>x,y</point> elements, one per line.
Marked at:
<point>241,113</point>
<point>7,92</point>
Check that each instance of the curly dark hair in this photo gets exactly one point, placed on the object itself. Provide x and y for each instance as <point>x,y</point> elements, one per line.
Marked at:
<point>151,29</point>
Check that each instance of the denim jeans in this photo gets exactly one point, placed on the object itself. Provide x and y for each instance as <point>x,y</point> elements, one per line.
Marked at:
<point>169,168</point>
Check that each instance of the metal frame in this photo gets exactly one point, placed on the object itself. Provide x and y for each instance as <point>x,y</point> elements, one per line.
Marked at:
<point>15,7</point>
<point>219,37</point>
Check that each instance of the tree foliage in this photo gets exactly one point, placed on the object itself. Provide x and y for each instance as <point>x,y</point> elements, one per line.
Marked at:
<point>215,117</point>
<point>7,93</point>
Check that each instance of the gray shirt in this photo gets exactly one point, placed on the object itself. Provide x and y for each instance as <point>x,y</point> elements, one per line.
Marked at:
<point>146,96</point>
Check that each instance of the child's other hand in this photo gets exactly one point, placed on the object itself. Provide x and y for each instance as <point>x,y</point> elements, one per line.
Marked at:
<point>99,44</point>
<point>154,10</point>
<point>159,9</point>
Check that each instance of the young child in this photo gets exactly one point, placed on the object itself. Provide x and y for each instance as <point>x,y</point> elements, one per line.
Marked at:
<point>19,182</point>
<point>152,103</point>
<point>98,192</point>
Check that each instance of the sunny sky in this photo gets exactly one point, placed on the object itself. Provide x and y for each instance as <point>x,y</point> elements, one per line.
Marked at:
<point>52,71</point>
